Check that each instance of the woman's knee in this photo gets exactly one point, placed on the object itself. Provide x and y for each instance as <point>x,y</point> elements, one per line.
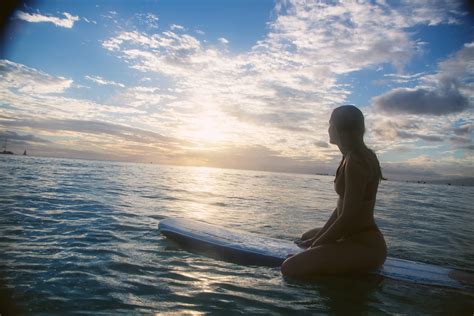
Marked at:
<point>286,267</point>
<point>289,268</point>
<point>302,265</point>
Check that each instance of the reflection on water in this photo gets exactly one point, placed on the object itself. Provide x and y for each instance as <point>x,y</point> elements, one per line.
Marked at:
<point>81,236</point>
<point>202,183</point>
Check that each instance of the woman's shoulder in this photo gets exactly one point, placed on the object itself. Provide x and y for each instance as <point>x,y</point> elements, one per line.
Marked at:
<point>358,159</point>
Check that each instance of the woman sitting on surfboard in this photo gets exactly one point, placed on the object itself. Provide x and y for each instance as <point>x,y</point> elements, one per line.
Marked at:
<point>350,241</point>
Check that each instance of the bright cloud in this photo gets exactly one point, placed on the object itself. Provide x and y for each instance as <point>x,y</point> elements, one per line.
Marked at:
<point>278,83</point>
<point>66,22</point>
<point>101,81</point>
<point>268,104</point>
<point>148,19</point>
<point>33,93</point>
<point>29,80</point>
<point>174,27</point>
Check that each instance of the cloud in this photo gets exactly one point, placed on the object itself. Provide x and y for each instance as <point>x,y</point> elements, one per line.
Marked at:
<point>29,80</point>
<point>89,21</point>
<point>446,92</point>
<point>30,93</point>
<point>66,22</point>
<point>463,129</point>
<point>147,98</point>
<point>321,144</point>
<point>254,157</point>
<point>308,46</point>
<point>101,81</point>
<point>174,27</point>
<point>459,139</point>
<point>286,120</point>
<point>147,19</point>
<point>223,40</point>
<point>94,127</point>
<point>429,138</point>
<point>348,36</point>
<point>432,12</point>
<point>94,140</point>
<point>406,134</point>
<point>90,138</point>
<point>401,78</point>
<point>11,135</point>
<point>165,52</point>
<point>389,130</point>
<point>236,106</point>
<point>445,100</point>
<point>426,167</point>
<point>287,82</point>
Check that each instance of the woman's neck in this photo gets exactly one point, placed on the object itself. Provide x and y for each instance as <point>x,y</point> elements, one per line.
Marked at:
<point>350,146</point>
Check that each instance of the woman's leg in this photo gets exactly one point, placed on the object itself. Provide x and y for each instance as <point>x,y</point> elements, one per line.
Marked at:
<point>343,257</point>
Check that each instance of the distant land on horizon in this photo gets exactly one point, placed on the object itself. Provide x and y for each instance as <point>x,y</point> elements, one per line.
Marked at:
<point>461,181</point>
<point>456,181</point>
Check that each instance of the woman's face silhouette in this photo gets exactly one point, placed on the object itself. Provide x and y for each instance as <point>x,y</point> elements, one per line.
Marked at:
<point>333,135</point>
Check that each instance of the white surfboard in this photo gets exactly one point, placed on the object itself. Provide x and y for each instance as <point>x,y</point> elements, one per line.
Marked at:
<point>252,249</point>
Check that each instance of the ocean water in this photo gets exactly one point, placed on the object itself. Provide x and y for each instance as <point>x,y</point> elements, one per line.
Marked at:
<point>81,237</point>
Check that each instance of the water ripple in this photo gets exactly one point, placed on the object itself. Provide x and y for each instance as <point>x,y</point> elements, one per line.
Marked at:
<point>80,237</point>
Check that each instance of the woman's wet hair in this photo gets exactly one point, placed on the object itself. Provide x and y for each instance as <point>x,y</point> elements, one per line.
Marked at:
<point>348,118</point>
<point>349,123</point>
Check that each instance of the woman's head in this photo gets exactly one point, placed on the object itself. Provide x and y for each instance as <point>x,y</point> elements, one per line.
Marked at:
<point>346,129</point>
<point>346,126</point>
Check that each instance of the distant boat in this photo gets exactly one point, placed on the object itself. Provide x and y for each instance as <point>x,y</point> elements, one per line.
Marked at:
<point>24,153</point>
<point>5,151</point>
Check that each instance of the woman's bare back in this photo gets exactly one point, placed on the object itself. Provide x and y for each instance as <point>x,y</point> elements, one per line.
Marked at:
<point>360,249</point>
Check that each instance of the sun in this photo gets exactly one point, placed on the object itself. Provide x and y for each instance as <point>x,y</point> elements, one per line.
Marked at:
<point>206,129</point>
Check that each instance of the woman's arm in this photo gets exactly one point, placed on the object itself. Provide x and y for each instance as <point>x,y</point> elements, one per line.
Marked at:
<point>311,235</point>
<point>355,185</point>
<point>328,224</point>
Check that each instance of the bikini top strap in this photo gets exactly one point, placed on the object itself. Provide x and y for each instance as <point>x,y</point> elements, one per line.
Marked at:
<point>340,169</point>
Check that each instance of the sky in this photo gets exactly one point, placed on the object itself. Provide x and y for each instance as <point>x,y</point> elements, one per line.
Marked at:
<point>241,84</point>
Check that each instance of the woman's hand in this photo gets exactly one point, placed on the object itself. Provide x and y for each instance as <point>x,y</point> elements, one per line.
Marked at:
<point>311,233</point>
<point>305,243</point>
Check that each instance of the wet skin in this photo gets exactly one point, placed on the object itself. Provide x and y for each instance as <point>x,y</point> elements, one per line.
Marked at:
<point>340,246</point>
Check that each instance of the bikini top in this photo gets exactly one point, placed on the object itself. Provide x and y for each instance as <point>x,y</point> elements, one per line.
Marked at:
<point>340,183</point>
